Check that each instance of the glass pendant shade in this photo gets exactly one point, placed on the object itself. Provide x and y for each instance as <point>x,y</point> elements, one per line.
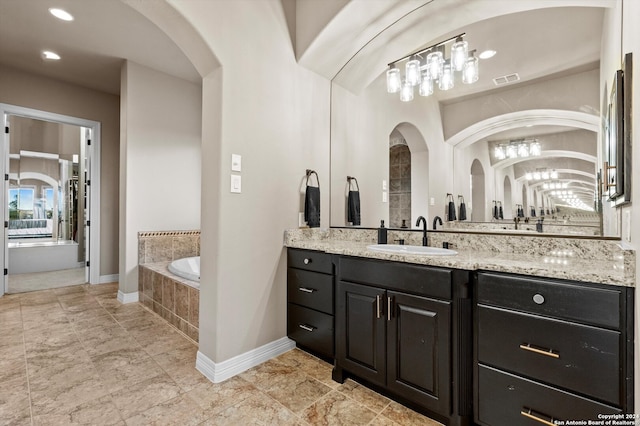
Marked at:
<point>459,53</point>
<point>545,175</point>
<point>470,70</point>
<point>498,152</point>
<point>412,72</point>
<point>528,176</point>
<point>534,149</point>
<point>446,81</point>
<point>554,174</point>
<point>536,176</point>
<point>393,80</point>
<point>512,152</point>
<point>523,150</point>
<point>426,85</point>
<point>435,62</point>
<point>406,93</point>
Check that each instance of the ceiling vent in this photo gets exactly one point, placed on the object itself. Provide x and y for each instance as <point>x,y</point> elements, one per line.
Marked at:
<point>506,79</point>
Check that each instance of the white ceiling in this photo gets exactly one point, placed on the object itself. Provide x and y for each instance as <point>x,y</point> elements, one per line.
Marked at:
<point>93,46</point>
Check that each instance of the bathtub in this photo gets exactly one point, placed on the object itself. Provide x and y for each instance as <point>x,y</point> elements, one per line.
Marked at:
<point>188,267</point>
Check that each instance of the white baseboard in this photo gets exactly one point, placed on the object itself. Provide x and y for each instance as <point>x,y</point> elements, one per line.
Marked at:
<point>221,371</point>
<point>127,297</point>
<point>113,278</point>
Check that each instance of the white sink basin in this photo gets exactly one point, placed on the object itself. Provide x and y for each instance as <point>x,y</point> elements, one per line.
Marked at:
<point>425,251</point>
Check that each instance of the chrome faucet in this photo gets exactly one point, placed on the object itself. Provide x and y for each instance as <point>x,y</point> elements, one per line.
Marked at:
<point>437,219</point>
<point>425,242</point>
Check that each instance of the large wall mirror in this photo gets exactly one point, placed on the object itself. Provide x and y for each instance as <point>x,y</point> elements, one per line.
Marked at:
<point>523,139</point>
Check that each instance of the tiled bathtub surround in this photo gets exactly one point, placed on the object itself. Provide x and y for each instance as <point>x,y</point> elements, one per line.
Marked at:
<point>175,299</point>
<point>164,246</point>
<point>580,259</point>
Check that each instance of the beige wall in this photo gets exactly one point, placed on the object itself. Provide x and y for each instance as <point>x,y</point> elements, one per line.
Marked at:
<point>32,91</point>
<point>276,115</point>
<point>160,160</point>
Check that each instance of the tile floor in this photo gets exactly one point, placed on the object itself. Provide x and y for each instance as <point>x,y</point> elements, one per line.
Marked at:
<point>20,283</point>
<point>75,355</point>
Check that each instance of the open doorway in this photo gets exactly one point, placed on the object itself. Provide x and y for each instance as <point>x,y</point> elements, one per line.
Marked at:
<point>48,200</point>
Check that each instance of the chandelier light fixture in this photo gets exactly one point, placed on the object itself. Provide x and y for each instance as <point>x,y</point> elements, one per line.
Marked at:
<point>518,148</point>
<point>429,67</point>
<point>541,174</point>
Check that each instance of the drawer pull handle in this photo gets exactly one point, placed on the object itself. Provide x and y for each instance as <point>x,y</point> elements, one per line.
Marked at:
<point>538,299</point>
<point>307,261</point>
<point>378,306</point>
<point>546,352</point>
<point>388,308</point>
<point>306,327</point>
<point>306,289</point>
<point>528,412</point>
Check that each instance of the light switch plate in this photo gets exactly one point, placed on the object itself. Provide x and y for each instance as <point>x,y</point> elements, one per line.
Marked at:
<point>432,201</point>
<point>236,184</point>
<point>236,162</point>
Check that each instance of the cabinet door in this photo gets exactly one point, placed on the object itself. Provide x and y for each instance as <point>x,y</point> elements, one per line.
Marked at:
<point>418,350</point>
<point>360,331</point>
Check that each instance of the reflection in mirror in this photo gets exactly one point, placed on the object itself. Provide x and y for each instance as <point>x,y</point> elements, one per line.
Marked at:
<point>44,189</point>
<point>552,95</point>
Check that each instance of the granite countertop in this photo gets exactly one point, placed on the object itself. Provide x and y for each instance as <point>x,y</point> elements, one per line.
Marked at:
<point>615,269</point>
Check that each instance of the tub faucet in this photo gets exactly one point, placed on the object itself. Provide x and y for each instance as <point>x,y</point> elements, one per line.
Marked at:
<point>425,242</point>
<point>437,219</point>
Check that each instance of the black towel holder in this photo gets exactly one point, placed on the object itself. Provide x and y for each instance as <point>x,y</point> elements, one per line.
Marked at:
<point>351,178</point>
<point>308,176</point>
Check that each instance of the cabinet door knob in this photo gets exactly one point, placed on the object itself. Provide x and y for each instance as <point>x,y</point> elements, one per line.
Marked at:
<point>538,298</point>
<point>307,261</point>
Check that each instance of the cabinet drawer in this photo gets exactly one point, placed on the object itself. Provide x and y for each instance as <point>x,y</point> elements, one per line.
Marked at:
<point>577,357</point>
<point>502,397</point>
<point>420,280</point>
<point>310,289</point>
<point>574,302</point>
<point>310,329</point>
<point>309,260</point>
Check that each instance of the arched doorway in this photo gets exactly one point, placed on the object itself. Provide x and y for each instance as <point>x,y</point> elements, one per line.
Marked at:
<point>478,202</point>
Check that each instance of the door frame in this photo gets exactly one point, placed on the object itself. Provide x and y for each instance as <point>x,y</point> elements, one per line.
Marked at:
<point>92,153</point>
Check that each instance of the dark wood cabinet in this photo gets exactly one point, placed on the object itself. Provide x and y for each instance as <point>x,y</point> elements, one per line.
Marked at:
<point>548,350</point>
<point>310,301</point>
<point>403,341</point>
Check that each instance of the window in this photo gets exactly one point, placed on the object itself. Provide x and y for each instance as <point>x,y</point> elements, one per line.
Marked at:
<point>21,203</point>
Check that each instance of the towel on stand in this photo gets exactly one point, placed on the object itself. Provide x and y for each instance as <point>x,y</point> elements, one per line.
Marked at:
<point>462,208</point>
<point>451,208</point>
<point>353,203</point>
<point>312,202</point>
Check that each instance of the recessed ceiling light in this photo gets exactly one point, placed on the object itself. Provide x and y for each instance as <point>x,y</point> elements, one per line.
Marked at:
<point>487,54</point>
<point>61,14</point>
<point>50,56</point>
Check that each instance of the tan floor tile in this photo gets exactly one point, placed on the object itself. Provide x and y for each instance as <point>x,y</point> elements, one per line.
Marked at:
<point>381,420</point>
<point>297,391</point>
<point>62,391</point>
<point>123,369</point>
<point>106,340</point>
<point>45,320</point>
<point>136,325</point>
<point>12,367</point>
<point>180,410</point>
<point>101,412</point>
<point>90,313</point>
<point>73,289</point>
<point>365,396</point>
<point>100,321</point>
<point>180,364</point>
<point>14,402</point>
<point>258,409</point>
<point>267,374</point>
<point>215,397</point>
<point>138,398</point>
<point>405,416</point>
<point>337,409</point>
<point>160,339</point>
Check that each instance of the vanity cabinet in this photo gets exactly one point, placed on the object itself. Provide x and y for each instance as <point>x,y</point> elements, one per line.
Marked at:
<point>310,300</point>
<point>402,328</point>
<point>549,350</point>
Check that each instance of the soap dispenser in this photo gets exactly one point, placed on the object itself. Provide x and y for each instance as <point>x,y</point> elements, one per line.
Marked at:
<point>382,233</point>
